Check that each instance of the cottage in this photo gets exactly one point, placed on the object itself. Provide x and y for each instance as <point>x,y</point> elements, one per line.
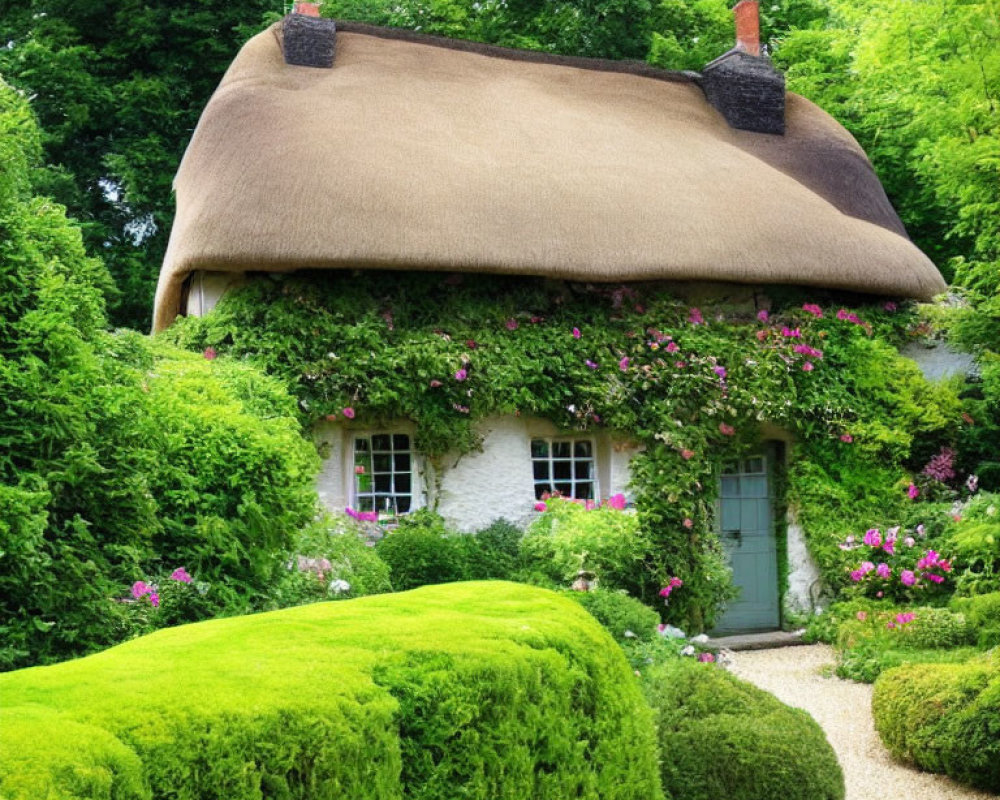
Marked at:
<point>341,146</point>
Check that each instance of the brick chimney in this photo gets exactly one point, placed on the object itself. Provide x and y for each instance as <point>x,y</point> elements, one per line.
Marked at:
<point>747,13</point>
<point>307,39</point>
<point>312,9</point>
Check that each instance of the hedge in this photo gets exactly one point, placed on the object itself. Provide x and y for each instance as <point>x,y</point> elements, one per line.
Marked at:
<point>944,718</point>
<point>720,737</point>
<point>982,614</point>
<point>473,690</point>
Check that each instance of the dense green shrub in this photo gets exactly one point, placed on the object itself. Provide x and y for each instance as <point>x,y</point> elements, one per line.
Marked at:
<point>478,690</point>
<point>493,552</point>
<point>722,737</point>
<point>944,718</point>
<point>422,551</point>
<point>976,557</point>
<point>568,538</point>
<point>620,614</point>
<point>331,560</point>
<point>120,460</point>
<point>982,614</point>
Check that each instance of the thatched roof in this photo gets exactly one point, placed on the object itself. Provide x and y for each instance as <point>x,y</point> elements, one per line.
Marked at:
<point>414,154</point>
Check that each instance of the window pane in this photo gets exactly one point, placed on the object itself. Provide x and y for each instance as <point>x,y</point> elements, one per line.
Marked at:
<point>565,489</point>
<point>403,483</point>
<point>400,441</point>
<point>562,449</point>
<point>402,504</point>
<point>541,470</point>
<point>382,462</point>
<point>383,483</point>
<point>754,465</point>
<point>361,445</point>
<point>366,504</point>
<point>582,449</point>
<point>381,441</point>
<point>584,491</point>
<point>401,462</point>
<point>542,488</point>
<point>562,470</point>
<point>582,469</point>
<point>539,448</point>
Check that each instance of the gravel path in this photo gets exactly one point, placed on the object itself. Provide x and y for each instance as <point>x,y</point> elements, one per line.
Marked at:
<point>843,710</point>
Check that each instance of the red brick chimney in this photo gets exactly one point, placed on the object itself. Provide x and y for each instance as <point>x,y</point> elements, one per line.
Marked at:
<point>747,26</point>
<point>312,9</point>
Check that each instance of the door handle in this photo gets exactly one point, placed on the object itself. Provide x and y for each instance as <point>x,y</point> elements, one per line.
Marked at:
<point>736,534</point>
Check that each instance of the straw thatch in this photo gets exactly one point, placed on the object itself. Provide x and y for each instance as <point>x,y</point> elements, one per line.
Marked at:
<point>415,156</point>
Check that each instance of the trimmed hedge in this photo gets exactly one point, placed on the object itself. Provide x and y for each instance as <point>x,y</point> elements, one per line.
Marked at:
<point>720,737</point>
<point>473,690</point>
<point>944,718</point>
<point>982,614</point>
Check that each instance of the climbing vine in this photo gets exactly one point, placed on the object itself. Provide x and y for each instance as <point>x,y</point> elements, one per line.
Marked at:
<point>691,384</point>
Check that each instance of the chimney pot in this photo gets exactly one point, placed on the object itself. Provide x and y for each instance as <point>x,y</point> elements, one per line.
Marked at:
<point>312,9</point>
<point>747,15</point>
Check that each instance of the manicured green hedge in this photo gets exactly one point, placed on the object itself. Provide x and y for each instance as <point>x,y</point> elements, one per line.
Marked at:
<point>473,690</point>
<point>982,614</point>
<point>944,718</point>
<point>723,738</point>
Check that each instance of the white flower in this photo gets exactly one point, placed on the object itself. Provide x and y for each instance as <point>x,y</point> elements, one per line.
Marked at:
<point>339,586</point>
<point>630,635</point>
<point>701,638</point>
<point>688,651</point>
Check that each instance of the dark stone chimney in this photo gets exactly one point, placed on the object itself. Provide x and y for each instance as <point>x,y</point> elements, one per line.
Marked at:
<point>744,86</point>
<point>308,40</point>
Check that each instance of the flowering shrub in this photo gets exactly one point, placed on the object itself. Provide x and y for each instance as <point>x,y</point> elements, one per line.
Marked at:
<point>160,603</point>
<point>895,566</point>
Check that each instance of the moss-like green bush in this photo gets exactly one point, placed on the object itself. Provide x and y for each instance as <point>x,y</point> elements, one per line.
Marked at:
<point>422,551</point>
<point>723,738</point>
<point>944,718</point>
<point>982,613</point>
<point>620,614</point>
<point>477,690</point>
<point>976,550</point>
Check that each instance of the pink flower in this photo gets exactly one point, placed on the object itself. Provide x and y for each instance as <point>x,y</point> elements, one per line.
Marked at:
<point>154,599</point>
<point>813,309</point>
<point>791,333</point>
<point>907,577</point>
<point>842,314</point>
<point>140,588</point>
<point>726,430</point>
<point>540,507</point>
<point>807,367</point>
<point>665,591</point>
<point>687,455</point>
<point>348,412</point>
<point>806,350</point>
<point>688,522</point>
<point>617,502</point>
<point>762,315</point>
<point>846,438</point>
<point>857,575</point>
<point>676,582</point>
<point>672,347</point>
<point>461,375</point>
<point>883,571</point>
<point>695,317</point>
<point>435,383</point>
<point>623,364</point>
<point>590,364</point>
<point>909,541</point>
<point>862,616</point>
<point>720,371</point>
<point>460,408</point>
<point>706,658</point>
<point>180,574</point>
<point>210,353</point>
<point>576,333</point>
<point>873,538</point>
<point>511,324</point>
<point>890,306</point>
<point>761,335</point>
<point>866,567</point>
<point>890,625</point>
<point>913,491</point>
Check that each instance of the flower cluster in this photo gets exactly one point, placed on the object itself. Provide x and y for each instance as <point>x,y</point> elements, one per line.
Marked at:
<point>673,583</point>
<point>361,516</point>
<point>141,589</point>
<point>616,501</point>
<point>891,555</point>
<point>903,618</point>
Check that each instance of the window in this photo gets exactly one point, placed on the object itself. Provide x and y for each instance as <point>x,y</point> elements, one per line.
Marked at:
<point>565,466</point>
<point>383,473</point>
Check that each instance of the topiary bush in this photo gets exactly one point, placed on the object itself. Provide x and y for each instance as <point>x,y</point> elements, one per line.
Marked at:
<point>982,614</point>
<point>722,737</point>
<point>620,614</point>
<point>944,718</point>
<point>478,690</point>
<point>422,551</point>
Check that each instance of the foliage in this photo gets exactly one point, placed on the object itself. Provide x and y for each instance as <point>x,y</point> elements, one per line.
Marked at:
<point>689,385</point>
<point>120,460</point>
<point>332,560</point>
<point>492,553</point>
<point>422,551</point>
<point>622,616</point>
<point>944,718</point>
<point>983,616</point>
<point>484,690</point>
<point>722,737</point>
<point>569,538</point>
<point>118,89</point>
<point>976,548</point>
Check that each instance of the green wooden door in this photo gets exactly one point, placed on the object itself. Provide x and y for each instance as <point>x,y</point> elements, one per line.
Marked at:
<point>745,523</point>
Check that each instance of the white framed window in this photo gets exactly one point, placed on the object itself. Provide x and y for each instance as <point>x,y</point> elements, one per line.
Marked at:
<point>383,473</point>
<point>566,466</point>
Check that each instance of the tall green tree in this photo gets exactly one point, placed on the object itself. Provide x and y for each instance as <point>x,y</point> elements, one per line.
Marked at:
<point>118,87</point>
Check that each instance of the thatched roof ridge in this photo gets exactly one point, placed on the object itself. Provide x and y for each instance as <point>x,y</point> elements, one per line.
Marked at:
<point>418,153</point>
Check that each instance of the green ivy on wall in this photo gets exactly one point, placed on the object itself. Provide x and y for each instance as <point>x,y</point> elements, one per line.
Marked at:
<point>692,385</point>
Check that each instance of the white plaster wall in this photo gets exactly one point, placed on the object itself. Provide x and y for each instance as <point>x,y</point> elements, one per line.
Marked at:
<point>803,574</point>
<point>939,361</point>
<point>332,483</point>
<point>206,290</point>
